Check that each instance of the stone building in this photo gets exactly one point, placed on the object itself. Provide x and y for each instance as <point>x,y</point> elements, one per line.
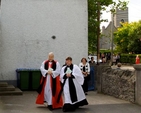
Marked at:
<point>105,40</point>
<point>30,29</point>
<point>120,16</point>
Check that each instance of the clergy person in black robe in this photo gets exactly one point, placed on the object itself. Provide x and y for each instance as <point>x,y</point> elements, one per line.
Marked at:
<point>72,80</point>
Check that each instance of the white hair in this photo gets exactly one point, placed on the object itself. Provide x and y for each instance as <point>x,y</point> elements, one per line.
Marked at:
<point>51,53</point>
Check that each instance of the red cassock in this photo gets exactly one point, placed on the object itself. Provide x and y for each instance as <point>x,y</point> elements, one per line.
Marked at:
<point>40,97</point>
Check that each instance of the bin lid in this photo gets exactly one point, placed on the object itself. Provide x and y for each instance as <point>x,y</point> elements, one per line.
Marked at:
<point>26,69</point>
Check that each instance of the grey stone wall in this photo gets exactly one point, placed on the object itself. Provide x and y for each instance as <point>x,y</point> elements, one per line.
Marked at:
<point>118,83</point>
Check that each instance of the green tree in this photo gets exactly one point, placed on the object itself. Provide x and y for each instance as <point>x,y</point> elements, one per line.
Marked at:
<point>121,37</point>
<point>95,8</point>
<point>128,37</point>
<point>93,23</point>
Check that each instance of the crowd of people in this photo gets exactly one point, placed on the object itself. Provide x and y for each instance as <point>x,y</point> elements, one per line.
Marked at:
<point>69,82</point>
<point>106,57</point>
<point>66,86</point>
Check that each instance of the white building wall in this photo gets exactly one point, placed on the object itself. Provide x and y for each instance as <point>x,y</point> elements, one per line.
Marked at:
<point>27,27</point>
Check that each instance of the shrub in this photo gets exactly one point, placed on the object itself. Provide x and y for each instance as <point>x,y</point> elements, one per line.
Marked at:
<point>129,58</point>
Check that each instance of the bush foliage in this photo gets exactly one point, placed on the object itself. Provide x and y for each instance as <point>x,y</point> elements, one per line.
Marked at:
<point>129,58</point>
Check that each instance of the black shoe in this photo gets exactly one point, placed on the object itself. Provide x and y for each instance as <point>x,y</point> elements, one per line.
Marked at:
<point>86,93</point>
<point>50,107</point>
<point>64,110</point>
<point>68,108</point>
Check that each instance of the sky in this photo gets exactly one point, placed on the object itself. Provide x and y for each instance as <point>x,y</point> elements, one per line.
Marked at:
<point>134,12</point>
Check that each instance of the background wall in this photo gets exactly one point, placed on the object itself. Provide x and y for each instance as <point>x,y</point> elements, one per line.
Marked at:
<point>27,27</point>
<point>117,82</point>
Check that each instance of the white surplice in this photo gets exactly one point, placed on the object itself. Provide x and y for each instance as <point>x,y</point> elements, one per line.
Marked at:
<point>48,91</point>
<point>78,81</point>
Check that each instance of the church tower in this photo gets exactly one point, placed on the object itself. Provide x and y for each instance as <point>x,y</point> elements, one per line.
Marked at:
<point>105,40</point>
<point>120,16</point>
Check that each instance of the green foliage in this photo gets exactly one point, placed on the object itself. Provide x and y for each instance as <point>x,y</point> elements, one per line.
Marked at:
<point>108,51</point>
<point>105,2</point>
<point>128,37</point>
<point>94,23</point>
<point>121,4</point>
<point>129,58</point>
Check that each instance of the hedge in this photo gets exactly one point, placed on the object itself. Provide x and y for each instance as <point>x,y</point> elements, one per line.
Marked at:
<point>129,58</point>
<point>108,51</point>
<point>124,58</point>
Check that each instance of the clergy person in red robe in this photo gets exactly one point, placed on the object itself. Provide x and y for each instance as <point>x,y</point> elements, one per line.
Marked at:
<point>50,85</point>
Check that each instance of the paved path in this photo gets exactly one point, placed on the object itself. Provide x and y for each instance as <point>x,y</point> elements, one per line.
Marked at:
<point>124,67</point>
<point>98,103</point>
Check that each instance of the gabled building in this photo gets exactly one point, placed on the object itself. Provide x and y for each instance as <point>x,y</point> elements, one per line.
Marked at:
<point>120,16</point>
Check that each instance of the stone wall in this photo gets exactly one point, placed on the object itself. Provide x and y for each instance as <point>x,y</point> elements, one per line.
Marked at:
<point>118,83</point>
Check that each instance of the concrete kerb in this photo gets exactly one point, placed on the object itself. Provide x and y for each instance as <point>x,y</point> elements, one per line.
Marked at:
<point>138,83</point>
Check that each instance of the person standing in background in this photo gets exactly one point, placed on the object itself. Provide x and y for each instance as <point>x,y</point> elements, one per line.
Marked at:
<point>91,82</point>
<point>117,59</point>
<point>85,68</point>
<point>103,57</point>
<point>137,59</point>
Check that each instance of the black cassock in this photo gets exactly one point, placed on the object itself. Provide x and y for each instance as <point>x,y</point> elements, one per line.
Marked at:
<point>72,88</point>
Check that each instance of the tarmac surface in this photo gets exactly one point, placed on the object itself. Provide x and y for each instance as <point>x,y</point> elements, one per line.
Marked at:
<point>124,67</point>
<point>98,103</point>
